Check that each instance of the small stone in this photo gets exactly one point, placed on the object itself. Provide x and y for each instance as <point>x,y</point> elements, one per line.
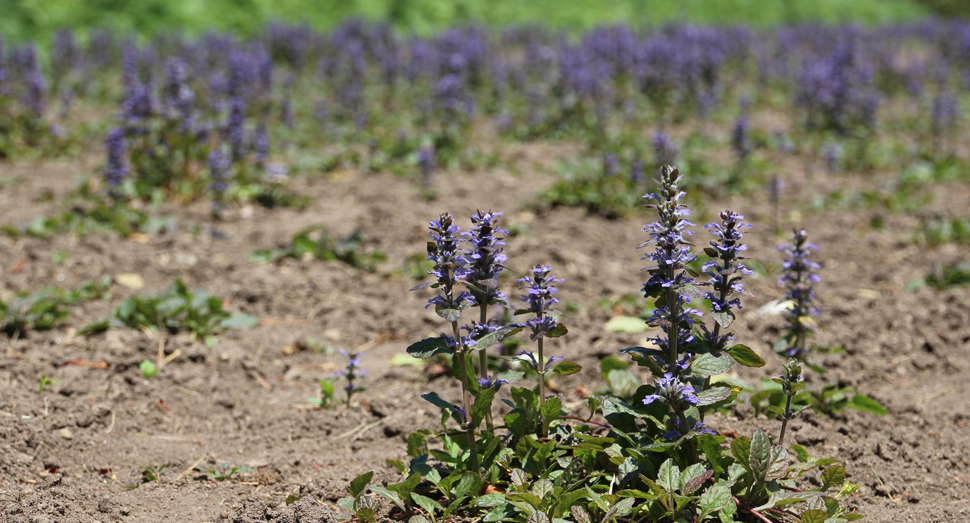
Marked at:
<point>66,433</point>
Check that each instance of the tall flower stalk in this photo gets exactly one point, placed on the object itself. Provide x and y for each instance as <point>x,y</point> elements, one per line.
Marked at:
<point>539,296</point>
<point>486,259</point>
<point>799,280</point>
<point>669,280</point>
<point>451,268</point>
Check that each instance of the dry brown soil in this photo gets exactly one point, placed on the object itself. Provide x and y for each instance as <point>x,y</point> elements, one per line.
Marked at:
<point>69,454</point>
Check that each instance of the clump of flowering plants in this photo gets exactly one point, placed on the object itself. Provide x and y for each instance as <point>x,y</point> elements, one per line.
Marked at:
<point>649,457</point>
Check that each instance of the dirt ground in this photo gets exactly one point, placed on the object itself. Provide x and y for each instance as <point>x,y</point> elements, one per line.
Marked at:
<point>70,454</point>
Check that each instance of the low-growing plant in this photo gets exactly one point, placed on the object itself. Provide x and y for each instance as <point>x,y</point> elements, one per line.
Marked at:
<point>150,474</point>
<point>44,309</point>
<point>352,374</point>
<point>949,275</point>
<point>148,369</point>
<point>315,242</point>
<point>224,471</point>
<point>650,457</point>
<point>175,309</point>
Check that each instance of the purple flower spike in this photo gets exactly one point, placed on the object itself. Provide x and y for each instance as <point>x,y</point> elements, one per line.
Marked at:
<point>673,392</point>
<point>451,266</point>
<point>799,280</point>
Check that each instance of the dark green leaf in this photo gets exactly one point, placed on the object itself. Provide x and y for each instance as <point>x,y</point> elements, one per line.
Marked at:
<point>741,450</point>
<point>482,405</point>
<point>814,516</point>
<point>428,504</point>
<point>358,484</point>
<point>565,368</point>
<point>745,356</point>
<point>437,401</point>
<point>832,476</point>
<point>760,452</point>
<point>291,499</point>
<point>557,331</point>
<point>429,347</point>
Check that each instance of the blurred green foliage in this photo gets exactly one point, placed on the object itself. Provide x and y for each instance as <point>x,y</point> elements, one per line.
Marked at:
<point>947,7</point>
<point>39,19</point>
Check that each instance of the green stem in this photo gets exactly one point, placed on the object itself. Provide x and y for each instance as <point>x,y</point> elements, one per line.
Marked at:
<point>465,397</point>
<point>542,377</point>
<point>784,422</point>
<point>483,364</point>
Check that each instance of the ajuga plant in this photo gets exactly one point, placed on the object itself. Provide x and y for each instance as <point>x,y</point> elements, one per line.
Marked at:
<point>352,374</point>
<point>649,458</point>
<point>799,280</point>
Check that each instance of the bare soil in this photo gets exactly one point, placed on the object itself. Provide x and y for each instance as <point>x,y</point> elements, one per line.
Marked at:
<point>71,453</point>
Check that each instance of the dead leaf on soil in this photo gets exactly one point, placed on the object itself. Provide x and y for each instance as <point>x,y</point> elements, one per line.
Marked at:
<point>138,237</point>
<point>84,363</point>
<point>132,280</point>
<point>19,266</point>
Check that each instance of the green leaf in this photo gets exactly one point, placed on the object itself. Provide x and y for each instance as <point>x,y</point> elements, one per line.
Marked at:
<point>627,324</point>
<point>760,452</point>
<point>777,463</point>
<point>611,363</point>
<point>713,395</point>
<point>579,514</point>
<point>847,489</point>
<point>449,315</point>
<point>148,369</point>
<point>494,337</point>
<point>291,499</point>
<point>565,368</point>
<point>482,405</point>
<point>620,509</point>
<point>393,496</point>
<point>404,360</point>
<point>741,450</point>
<point>542,488</point>
<point>359,483</point>
<point>745,356</point>
<point>437,401</point>
<point>429,347</point>
<point>708,365</point>
<point>537,517</point>
<point>867,404</point>
<point>557,331</point>
<point>723,318</point>
<point>525,497</point>
<point>832,476</point>
<point>94,328</point>
<point>428,504</point>
<point>489,501</point>
<point>397,464</point>
<point>786,497</point>
<point>622,382</point>
<point>814,516</point>
<point>239,320</point>
<point>713,500</point>
<point>668,477</point>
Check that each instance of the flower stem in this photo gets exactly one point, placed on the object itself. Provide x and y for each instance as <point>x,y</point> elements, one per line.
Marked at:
<point>483,364</point>
<point>542,377</point>
<point>784,422</point>
<point>466,397</point>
